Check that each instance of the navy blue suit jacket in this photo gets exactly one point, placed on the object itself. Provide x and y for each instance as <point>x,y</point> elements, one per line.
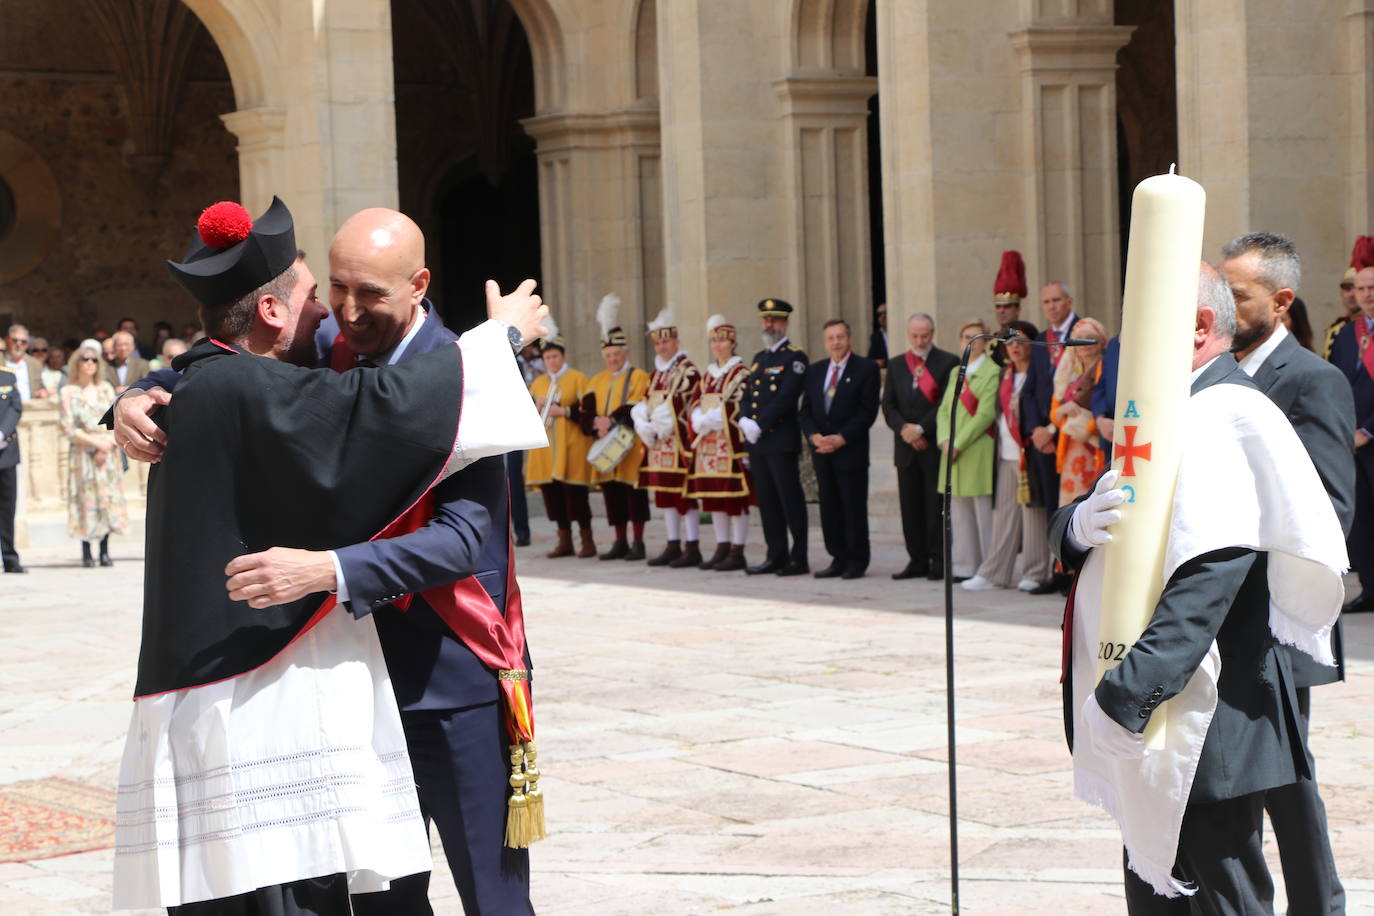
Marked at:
<point>1104,392</point>
<point>467,536</point>
<point>852,412</point>
<point>775,383</point>
<point>1038,390</point>
<point>11,409</point>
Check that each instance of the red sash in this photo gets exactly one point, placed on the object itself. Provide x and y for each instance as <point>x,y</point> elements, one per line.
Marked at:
<point>970,402</point>
<point>1005,395</point>
<point>1365,342</point>
<point>467,609</point>
<point>925,379</point>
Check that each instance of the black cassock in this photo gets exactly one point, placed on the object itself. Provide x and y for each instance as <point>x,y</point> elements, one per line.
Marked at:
<point>263,454</point>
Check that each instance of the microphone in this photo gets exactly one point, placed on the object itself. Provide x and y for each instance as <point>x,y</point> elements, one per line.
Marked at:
<point>1077,342</point>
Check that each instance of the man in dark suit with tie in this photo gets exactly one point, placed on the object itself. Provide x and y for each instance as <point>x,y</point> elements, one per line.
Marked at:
<point>768,419</point>
<point>839,404</point>
<point>1264,272</point>
<point>1036,395</point>
<point>910,401</point>
<point>11,408</point>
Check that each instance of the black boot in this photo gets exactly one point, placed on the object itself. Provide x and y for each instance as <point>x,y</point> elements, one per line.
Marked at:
<point>691,556</point>
<point>733,560</point>
<point>722,551</point>
<point>618,550</point>
<point>636,551</point>
<point>105,551</point>
<point>670,553</point>
<point>86,559</point>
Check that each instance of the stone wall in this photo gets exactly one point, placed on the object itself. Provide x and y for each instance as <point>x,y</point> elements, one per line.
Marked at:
<point>67,104</point>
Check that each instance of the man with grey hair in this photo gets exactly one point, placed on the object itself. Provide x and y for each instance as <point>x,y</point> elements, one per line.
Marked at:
<point>1264,271</point>
<point>911,398</point>
<point>27,370</point>
<point>127,366</point>
<point>1254,556</point>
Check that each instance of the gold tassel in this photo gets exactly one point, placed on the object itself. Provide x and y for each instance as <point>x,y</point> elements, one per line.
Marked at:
<point>535,794</point>
<point>517,807</point>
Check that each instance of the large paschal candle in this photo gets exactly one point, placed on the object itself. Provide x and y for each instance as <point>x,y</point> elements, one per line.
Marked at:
<point>1158,319</point>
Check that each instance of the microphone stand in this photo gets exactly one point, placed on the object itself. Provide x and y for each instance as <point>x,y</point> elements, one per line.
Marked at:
<point>1002,337</point>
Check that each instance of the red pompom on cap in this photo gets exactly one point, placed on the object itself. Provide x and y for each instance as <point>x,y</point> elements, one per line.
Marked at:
<point>224,224</point>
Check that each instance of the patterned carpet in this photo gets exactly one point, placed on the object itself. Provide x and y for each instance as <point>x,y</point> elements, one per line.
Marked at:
<point>42,818</point>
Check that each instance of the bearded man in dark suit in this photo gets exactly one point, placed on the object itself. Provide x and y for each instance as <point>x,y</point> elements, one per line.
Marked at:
<point>1264,271</point>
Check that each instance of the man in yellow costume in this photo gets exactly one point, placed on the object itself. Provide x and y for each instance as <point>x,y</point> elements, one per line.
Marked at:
<point>604,412</point>
<point>561,471</point>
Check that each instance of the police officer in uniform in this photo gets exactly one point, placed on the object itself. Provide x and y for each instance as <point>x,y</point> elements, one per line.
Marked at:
<point>768,419</point>
<point>10,410</point>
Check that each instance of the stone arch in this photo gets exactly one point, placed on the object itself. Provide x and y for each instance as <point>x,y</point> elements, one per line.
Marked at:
<point>828,35</point>
<point>246,33</point>
<point>545,35</point>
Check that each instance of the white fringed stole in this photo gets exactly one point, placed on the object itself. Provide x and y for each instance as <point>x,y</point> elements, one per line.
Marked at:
<point>1245,480</point>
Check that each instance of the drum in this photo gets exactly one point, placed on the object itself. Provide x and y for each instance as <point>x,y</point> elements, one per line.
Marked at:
<point>611,449</point>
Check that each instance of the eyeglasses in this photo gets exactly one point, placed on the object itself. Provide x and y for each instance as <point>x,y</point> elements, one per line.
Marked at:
<point>38,350</point>
<point>22,341</point>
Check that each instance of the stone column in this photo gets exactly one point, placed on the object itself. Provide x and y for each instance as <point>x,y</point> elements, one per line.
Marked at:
<point>334,73</point>
<point>1274,120</point>
<point>725,210</point>
<point>262,159</point>
<point>1068,110</point>
<point>825,120</point>
<point>600,222</point>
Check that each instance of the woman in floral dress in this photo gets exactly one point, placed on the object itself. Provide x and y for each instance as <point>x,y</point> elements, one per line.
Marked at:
<point>1078,459</point>
<point>95,469</point>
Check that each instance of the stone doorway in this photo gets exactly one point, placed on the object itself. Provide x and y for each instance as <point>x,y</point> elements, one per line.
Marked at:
<point>467,171</point>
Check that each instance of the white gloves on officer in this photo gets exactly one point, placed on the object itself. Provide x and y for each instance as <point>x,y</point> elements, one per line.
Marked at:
<point>750,429</point>
<point>1098,512</point>
<point>1106,735</point>
<point>639,415</point>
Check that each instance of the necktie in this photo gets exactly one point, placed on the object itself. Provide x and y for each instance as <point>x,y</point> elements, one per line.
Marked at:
<point>830,386</point>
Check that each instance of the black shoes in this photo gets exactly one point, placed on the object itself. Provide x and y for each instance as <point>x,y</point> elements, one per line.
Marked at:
<point>853,572</point>
<point>636,551</point>
<point>833,571</point>
<point>795,568</point>
<point>722,551</point>
<point>522,540</point>
<point>619,550</point>
<point>690,556</point>
<point>1361,605</point>
<point>912,571</point>
<point>15,568</point>
<point>936,573</point>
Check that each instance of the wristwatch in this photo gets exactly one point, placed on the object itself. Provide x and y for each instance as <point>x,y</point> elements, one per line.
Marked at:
<point>513,335</point>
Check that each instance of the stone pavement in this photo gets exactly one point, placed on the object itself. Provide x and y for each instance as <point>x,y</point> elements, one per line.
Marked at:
<point>714,743</point>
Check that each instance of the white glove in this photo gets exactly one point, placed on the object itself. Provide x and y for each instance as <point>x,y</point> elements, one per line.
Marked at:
<point>716,418</point>
<point>639,413</point>
<point>1107,737</point>
<point>646,433</point>
<point>662,420</point>
<point>699,420</point>
<point>750,429</point>
<point>1098,512</point>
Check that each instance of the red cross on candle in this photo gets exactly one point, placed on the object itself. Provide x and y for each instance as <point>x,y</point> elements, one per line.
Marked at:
<point>1130,452</point>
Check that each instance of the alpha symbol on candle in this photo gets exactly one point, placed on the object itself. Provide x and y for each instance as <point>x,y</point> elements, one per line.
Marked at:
<point>1129,451</point>
<point>1130,411</point>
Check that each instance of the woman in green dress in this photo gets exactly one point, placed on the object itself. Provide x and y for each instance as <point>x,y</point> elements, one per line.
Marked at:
<point>972,453</point>
<point>95,467</point>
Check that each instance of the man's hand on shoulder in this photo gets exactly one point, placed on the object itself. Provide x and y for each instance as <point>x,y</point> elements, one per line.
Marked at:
<point>279,575</point>
<point>523,309</point>
<point>134,429</point>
